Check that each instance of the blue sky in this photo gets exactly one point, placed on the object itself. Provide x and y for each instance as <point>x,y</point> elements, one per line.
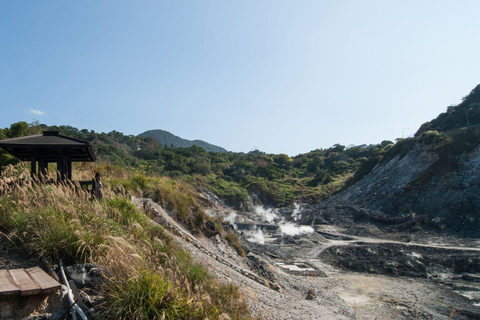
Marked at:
<point>278,76</point>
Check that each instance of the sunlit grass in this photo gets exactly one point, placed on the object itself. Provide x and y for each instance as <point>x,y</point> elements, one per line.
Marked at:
<point>146,274</point>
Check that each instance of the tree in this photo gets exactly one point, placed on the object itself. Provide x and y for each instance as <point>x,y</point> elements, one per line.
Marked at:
<point>18,129</point>
<point>337,148</point>
<point>283,160</point>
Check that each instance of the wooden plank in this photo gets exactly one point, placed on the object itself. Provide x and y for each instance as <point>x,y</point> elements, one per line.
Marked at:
<point>46,283</point>
<point>24,282</point>
<point>7,285</point>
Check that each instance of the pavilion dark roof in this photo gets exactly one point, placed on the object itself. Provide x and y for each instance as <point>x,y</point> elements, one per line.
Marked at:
<point>50,145</point>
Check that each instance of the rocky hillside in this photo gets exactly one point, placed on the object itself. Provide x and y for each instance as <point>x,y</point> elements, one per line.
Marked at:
<point>466,114</point>
<point>168,139</point>
<point>431,181</point>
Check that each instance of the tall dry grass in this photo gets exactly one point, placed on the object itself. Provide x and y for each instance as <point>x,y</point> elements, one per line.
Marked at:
<point>146,276</point>
<point>172,194</point>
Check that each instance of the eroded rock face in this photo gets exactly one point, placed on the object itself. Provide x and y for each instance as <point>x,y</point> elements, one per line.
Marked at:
<point>402,260</point>
<point>376,259</point>
<point>261,267</point>
<point>387,181</point>
<point>392,194</point>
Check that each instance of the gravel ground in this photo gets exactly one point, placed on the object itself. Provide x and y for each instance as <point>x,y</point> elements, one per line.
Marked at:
<point>341,295</point>
<point>274,293</point>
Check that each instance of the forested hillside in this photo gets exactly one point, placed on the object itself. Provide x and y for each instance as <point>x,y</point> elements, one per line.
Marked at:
<point>168,139</point>
<point>239,179</point>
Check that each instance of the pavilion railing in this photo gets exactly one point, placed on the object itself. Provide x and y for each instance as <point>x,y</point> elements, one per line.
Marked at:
<point>94,187</point>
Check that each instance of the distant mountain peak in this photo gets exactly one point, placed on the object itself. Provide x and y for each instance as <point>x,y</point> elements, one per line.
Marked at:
<point>168,139</point>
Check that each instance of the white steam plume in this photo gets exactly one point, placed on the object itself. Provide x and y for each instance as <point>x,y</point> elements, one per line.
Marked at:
<point>290,229</point>
<point>296,214</point>
<point>256,236</point>
<point>231,219</point>
<point>268,215</point>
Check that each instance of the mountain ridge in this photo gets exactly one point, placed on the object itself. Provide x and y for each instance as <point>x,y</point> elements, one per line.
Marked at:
<point>168,139</point>
<point>465,114</point>
<point>430,181</point>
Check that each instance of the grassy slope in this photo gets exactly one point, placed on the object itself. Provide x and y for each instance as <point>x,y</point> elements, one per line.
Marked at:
<point>146,274</point>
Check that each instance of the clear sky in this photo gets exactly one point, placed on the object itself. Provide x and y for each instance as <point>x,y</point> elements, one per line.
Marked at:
<point>278,76</point>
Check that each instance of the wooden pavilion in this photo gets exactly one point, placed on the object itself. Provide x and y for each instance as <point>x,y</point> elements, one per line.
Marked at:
<point>49,147</point>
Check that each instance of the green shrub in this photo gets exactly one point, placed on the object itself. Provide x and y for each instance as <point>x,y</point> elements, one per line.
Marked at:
<point>147,296</point>
<point>232,238</point>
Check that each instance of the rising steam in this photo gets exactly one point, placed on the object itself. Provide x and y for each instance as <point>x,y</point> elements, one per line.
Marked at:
<point>291,229</point>
<point>267,215</point>
<point>256,235</point>
<point>231,219</point>
<point>296,214</point>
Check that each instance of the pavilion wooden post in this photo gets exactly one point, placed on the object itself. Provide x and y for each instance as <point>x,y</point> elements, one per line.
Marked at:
<point>64,167</point>
<point>59,170</point>
<point>33,172</point>
<point>69,168</point>
<point>42,167</point>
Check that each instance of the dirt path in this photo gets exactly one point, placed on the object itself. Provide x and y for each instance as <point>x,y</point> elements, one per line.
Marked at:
<point>332,231</point>
<point>339,295</point>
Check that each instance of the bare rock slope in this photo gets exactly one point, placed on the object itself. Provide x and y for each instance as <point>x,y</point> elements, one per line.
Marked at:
<point>422,187</point>
<point>305,277</point>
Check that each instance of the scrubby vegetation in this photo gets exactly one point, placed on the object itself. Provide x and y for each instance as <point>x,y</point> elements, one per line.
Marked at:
<point>274,179</point>
<point>465,114</point>
<point>147,275</point>
<point>447,148</point>
<point>232,238</point>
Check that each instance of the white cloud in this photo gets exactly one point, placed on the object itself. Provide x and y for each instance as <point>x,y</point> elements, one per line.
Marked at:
<point>37,112</point>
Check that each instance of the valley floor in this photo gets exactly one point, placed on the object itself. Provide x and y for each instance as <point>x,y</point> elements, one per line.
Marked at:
<point>383,289</point>
<point>333,293</point>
